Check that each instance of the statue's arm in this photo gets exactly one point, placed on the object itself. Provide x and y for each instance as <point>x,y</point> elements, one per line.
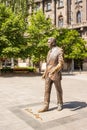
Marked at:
<point>60,64</point>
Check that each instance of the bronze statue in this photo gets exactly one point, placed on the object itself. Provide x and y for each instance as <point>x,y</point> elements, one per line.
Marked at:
<point>52,74</point>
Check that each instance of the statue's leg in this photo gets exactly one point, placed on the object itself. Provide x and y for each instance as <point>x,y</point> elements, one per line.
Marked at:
<point>48,86</point>
<point>59,91</point>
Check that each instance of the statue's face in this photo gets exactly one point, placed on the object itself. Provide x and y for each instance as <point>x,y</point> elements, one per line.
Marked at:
<point>50,41</point>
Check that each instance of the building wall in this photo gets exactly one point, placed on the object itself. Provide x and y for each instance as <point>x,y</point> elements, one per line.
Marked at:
<point>55,11</point>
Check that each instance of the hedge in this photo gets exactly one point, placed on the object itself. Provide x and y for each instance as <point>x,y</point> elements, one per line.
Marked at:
<point>17,69</point>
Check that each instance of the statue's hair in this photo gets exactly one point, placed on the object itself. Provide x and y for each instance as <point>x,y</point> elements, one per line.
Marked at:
<point>53,40</point>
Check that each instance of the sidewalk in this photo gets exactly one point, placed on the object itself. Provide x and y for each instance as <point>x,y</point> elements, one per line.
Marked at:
<point>22,96</point>
<point>75,72</point>
<point>76,75</point>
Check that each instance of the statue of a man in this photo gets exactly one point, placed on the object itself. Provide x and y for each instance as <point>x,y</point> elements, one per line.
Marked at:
<point>52,74</point>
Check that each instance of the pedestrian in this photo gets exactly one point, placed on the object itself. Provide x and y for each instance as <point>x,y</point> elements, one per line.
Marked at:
<point>52,74</point>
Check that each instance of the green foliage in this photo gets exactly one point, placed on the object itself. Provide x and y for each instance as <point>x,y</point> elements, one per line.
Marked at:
<point>12,28</point>
<point>17,69</point>
<point>28,69</point>
<point>6,70</point>
<point>72,44</point>
<point>10,51</point>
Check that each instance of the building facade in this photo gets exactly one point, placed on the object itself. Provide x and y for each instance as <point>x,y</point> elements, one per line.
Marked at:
<point>65,13</point>
<point>70,14</point>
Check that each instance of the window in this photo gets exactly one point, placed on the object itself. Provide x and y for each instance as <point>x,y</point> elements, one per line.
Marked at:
<point>60,3</point>
<point>37,6</point>
<point>78,17</point>
<point>48,6</point>
<point>60,21</point>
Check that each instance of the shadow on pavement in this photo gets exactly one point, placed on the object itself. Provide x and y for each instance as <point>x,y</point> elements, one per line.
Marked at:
<point>74,105</point>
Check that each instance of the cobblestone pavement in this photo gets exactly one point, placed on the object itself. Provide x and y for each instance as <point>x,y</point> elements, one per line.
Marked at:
<point>22,96</point>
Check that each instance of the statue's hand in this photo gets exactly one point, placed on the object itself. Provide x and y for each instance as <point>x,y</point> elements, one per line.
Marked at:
<point>53,71</point>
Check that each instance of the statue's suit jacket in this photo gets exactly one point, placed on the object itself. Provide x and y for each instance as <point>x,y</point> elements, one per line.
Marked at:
<point>55,55</point>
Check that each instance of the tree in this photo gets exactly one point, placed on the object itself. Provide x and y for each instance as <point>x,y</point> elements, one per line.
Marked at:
<point>12,28</point>
<point>73,45</point>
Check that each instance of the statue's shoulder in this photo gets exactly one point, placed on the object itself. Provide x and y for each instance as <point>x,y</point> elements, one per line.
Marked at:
<point>59,49</point>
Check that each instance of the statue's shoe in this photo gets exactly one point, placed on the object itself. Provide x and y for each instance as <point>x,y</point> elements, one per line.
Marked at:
<point>60,107</point>
<point>44,109</point>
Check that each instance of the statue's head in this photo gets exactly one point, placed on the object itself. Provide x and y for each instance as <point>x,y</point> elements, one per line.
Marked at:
<point>51,42</point>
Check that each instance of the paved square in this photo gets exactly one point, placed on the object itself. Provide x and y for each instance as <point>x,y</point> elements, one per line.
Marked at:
<point>21,98</point>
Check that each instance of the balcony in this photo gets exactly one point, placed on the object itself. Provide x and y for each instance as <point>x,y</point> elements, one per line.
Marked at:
<point>79,25</point>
